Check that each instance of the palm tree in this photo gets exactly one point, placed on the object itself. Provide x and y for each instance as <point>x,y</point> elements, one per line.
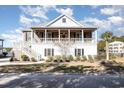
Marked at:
<point>107,37</point>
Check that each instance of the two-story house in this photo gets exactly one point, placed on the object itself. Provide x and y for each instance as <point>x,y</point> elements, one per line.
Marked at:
<point>116,47</point>
<point>61,36</point>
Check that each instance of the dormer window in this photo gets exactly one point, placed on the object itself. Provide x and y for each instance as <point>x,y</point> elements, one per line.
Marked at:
<point>64,20</point>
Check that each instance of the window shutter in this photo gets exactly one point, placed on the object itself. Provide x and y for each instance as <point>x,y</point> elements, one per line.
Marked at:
<point>75,52</point>
<point>45,52</point>
<point>25,36</point>
<point>52,52</point>
<point>82,52</point>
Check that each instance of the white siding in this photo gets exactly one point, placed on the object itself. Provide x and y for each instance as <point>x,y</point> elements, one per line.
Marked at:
<point>89,49</point>
<point>68,23</point>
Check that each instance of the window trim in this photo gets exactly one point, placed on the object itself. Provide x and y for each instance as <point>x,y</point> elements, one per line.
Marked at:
<point>79,51</point>
<point>48,52</point>
<point>63,20</point>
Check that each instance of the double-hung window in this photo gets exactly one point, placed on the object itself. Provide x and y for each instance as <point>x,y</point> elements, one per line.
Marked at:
<point>48,52</point>
<point>79,52</point>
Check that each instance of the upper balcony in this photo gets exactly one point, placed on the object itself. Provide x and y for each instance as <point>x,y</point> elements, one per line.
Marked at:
<point>61,35</point>
<point>73,40</point>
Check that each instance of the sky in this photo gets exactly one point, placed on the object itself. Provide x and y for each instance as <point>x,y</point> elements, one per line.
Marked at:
<point>13,19</point>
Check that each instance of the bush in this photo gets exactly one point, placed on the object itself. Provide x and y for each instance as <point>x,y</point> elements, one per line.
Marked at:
<point>33,59</point>
<point>49,59</point>
<point>13,59</point>
<point>112,56</point>
<point>83,58</point>
<point>57,58</point>
<point>25,58</point>
<point>78,58</point>
<point>70,58</point>
<point>100,57</point>
<point>90,58</point>
<point>63,58</point>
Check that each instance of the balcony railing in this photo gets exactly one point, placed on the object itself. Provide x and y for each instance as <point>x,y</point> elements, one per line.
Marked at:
<point>67,39</point>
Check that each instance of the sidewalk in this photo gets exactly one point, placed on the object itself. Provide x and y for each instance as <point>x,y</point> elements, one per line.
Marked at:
<point>7,59</point>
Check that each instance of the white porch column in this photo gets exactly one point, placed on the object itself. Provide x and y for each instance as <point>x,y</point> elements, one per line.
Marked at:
<point>69,34</point>
<point>59,34</point>
<point>45,35</point>
<point>32,36</point>
<point>96,36</point>
<point>82,35</point>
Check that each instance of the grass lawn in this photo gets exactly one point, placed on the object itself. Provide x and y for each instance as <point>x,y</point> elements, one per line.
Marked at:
<point>70,67</point>
<point>65,67</point>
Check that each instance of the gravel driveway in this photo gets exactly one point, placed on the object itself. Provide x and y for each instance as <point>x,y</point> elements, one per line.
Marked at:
<point>44,80</point>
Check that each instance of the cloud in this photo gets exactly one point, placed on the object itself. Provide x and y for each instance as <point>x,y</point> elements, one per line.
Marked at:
<point>116,20</point>
<point>25,21</point>
<point>13,35</point>
<point>94,6</point>
<point>121,29</point>
<point>36,11</point>
<point>67,11</point>
<point>103,24</point>
<point>109,11</point>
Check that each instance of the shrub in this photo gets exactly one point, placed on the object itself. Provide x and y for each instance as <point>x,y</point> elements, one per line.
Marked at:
<point>112,56</point>
<point>63,57</point>
<point>49,59</point>
<point>90,58</point>
<point>78,58</point>
<point>14,59</point>
<point>83,58</point>
<point>33,59</point>
<point>70,58</point>
<point>57,58</point>
<point>100,57</point>
<point>24,58</point>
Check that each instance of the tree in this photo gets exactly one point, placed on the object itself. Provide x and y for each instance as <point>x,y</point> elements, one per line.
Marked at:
<point>107,36</point>
<point>101,46</point>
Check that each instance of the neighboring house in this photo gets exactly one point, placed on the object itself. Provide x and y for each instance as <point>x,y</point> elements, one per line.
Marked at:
<point>62,36</point>
<point>116,47</point>
<point>1,46</point>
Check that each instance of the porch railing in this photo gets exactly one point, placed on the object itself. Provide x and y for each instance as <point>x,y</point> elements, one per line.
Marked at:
<point>67,39</point>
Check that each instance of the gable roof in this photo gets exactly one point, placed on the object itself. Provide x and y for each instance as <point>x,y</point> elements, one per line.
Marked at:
<point>59,17</point>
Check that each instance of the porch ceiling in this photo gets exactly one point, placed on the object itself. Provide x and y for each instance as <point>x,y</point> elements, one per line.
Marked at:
<point>63,28</point>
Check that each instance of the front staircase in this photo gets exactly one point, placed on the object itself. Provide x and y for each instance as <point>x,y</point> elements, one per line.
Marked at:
<point>27,50</point>
<point>20,48</point>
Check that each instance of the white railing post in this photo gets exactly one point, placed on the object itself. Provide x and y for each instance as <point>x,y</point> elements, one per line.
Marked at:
<point>59,34</point>
<point>45,35</point>
<point>69,34</point>
<point>31,36</point>
<point>82,35</point>
<point>96,36</point>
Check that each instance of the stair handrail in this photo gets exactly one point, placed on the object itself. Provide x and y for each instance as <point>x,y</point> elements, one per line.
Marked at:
<point>36,39</point>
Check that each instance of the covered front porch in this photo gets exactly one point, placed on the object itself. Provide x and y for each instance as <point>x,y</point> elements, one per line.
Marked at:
<point>65,34</point>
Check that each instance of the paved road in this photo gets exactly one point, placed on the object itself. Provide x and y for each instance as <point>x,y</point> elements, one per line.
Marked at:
<point>36,80</point>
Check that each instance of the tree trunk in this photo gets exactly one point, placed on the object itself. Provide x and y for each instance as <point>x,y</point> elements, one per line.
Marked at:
<point>107,51</point>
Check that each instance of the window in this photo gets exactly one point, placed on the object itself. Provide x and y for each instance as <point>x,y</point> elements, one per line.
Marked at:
<point>49,52</point>
<point>64,20</point>
<point>79,52</point>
